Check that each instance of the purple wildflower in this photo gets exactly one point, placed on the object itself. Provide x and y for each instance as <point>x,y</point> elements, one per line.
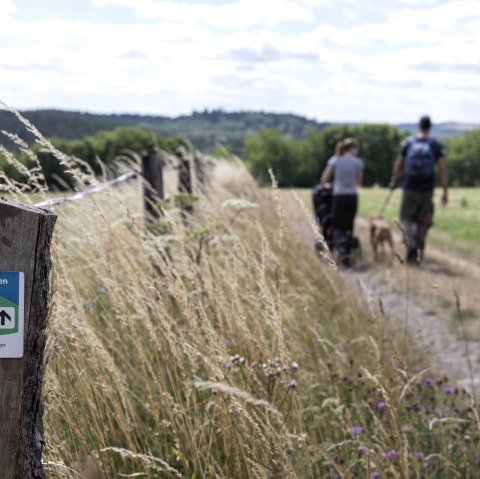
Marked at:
<point>392,454</point>
<point>381,405</point>
<point>228,342</point>
<point>356,430</point>
<point>448,390</point>
<point>337,458</point>
<point>429,381</point>
<point>375,475</point>
<point>362,450</point>
<point>419,455</point>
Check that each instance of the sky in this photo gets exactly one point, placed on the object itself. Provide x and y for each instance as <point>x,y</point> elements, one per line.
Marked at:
<point>329,60</point>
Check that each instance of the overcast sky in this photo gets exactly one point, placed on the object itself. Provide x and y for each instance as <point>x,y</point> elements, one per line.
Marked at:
<point>334,60</point>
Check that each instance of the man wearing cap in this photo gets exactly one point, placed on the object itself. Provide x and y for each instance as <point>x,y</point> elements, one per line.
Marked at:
<point>418,157</point>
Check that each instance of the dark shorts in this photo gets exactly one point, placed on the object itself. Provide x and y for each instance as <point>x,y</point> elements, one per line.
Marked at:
<point>416,206</point>
<point>415,216</point>
<point>344,211</point>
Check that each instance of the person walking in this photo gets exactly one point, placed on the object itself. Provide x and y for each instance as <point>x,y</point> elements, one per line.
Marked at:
<point>347,171</point>
<point>418,157</point>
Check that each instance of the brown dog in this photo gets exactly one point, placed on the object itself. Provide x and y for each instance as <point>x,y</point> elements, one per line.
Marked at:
<point>380,233</point>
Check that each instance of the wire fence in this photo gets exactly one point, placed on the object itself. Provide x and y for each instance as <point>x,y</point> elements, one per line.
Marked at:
<point>130,175</point>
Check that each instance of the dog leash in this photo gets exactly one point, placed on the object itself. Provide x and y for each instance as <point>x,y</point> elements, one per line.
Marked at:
<point>386,201</point>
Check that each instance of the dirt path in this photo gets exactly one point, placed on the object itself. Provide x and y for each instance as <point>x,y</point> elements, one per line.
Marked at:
<point>432,317</point>
<point>431,310</point>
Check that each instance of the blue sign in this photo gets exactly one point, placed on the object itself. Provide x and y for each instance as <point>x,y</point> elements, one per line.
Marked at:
<point>12,286</point>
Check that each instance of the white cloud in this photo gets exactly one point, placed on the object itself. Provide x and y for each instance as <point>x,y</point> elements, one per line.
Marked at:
<point>419,3</point>
<point>174,57</point>
<point>7,6</point>
<point>121,3</point>
<point>236,15</point>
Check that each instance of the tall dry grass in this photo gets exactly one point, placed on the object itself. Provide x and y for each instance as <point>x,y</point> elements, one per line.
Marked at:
<point>226,349</point>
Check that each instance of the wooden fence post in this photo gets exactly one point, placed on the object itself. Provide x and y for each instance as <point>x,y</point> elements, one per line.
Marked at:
<point>152,170</point>
<point>185,180</point>
<point>25,237</point>
<point>200,176</point>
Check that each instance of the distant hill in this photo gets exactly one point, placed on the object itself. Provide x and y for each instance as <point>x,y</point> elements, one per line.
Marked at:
<point>204,129</point>
<point>442,130</point>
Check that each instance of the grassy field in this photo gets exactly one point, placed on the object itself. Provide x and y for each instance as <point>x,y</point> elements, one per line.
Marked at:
<point>456,227</point>
<point>219,351</point>
<point>227,349</point>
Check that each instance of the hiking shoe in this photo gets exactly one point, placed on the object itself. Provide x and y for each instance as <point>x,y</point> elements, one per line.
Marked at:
<point>415,256</point>
<point>412,256</point>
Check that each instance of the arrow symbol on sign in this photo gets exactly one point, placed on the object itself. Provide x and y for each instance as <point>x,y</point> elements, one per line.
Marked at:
<point>3,316</point>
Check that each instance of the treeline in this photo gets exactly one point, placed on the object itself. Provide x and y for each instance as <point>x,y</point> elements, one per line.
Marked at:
<point>96,150</point>
<point>296,162</point>
<point>300,162</point>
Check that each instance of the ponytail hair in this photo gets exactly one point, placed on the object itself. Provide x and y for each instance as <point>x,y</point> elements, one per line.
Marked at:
<point>338,145</point>
<point>346,145</point>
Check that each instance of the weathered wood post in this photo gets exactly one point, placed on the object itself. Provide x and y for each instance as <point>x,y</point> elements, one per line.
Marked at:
<point>152,171</point>
<point>185,176</point>
<point>25,237</point>
<point>199,167</point>
<point>185,180</point>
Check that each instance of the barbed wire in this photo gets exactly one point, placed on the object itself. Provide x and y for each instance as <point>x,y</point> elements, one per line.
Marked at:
<point>129,175</point>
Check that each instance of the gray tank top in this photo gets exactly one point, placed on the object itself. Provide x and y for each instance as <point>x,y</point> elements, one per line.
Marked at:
<point>345,169</point>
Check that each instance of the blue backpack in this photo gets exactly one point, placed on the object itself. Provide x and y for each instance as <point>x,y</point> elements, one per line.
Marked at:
<point>419,159</point>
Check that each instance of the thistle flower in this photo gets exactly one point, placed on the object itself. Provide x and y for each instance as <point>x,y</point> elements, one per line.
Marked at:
<point>356,430</point>
<point>363,450</point>
<point>392,454</point>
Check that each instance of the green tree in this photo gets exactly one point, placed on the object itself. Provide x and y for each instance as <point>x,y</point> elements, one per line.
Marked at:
<point>271,149</point>
<point>300,162</point>
<point>463,154</point>
<point>105,147</point>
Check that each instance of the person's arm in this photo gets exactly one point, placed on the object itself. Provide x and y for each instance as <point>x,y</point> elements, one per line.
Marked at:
<point>327,174</point>
<point>397,170</point>
<point>442,172</point>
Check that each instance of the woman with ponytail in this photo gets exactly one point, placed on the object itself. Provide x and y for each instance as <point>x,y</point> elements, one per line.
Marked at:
<point>347,170</point>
